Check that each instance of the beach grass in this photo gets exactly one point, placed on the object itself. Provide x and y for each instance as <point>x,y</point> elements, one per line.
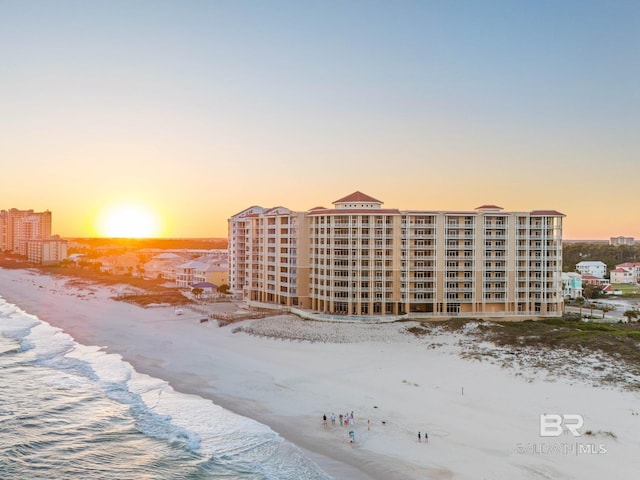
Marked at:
<point>617,343</point>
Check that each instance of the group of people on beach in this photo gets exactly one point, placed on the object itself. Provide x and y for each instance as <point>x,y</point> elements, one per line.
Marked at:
<point>346,419</point>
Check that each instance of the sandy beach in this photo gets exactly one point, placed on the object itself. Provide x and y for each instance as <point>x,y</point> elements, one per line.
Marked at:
<point>482,419</point>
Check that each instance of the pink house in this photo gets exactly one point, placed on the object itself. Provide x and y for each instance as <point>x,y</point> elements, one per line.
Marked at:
<point>626,273</point>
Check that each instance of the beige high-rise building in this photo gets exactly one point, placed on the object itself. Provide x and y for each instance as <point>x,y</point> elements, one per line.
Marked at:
<point>361,259</point>
<point>17,227</point>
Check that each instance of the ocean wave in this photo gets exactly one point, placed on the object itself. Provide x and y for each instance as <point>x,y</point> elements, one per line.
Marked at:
<point>212,439</point>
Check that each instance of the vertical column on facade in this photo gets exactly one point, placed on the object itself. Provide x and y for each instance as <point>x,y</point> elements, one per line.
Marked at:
<point>480,263</point>
<point>440,261</point>
<point>511,259</point>
<point>396,265</point>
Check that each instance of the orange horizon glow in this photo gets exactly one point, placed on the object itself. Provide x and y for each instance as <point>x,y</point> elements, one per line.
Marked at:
<point>152,216</point>
<point>128,220</point>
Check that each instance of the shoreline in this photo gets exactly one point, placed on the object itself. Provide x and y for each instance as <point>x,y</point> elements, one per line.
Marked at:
<point>411,384</point>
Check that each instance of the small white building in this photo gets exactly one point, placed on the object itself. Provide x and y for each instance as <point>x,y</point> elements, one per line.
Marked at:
<point>596,268</point>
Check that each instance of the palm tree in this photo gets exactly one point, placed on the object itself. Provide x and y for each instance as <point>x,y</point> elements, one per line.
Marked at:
<point>631,314</point>
<point>197,292</point>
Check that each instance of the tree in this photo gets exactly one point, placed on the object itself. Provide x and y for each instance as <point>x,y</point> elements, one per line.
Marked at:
<point>224,288</point>
<point>197,292</point>
<point>631,314</point>
<point>139,270</point>
<point>591,291</point>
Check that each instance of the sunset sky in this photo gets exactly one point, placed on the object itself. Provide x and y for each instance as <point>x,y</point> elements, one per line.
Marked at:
<point>195,110</point>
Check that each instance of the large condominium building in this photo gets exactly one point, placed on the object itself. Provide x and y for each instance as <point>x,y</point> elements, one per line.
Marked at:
<point>50,250</point>
<point>361,259</point>
<point>17,227</point>
<point>28,233</point>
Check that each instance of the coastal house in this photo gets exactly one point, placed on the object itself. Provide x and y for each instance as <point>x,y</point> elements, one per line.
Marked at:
<point>628,272</point>
<point>126,263</point>
<point>621,275</point>
<point>593,280</point>
<point>208,289</point>
<point>197,271</point>
<point>217,273</point>
<point>163,266</point>
<point>595,268</point>
<point>571,285</point>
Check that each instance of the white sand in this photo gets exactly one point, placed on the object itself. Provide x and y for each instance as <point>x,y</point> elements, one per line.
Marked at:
<point>378,372</point>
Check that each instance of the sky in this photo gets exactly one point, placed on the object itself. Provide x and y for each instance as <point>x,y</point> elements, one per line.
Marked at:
<point>196,110</point>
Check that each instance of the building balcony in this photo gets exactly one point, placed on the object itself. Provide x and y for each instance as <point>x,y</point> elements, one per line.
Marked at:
<point>417,290</point>
<point>502,289</point>
<point>417,236</point>
<point>418,258</point>
<point>494,258</point>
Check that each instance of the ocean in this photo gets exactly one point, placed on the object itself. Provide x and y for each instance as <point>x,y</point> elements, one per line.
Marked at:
<point>71,411</point>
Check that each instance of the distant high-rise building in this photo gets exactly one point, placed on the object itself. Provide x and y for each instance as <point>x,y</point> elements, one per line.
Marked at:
<point>29,233</point>
<point>617,241</point>
<point>361,259</point>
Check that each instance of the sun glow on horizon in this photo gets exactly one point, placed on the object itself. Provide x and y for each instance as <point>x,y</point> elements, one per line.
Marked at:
<point>128,220</point>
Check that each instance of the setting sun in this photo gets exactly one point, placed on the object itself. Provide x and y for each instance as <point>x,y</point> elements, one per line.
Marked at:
<point>128,221</point>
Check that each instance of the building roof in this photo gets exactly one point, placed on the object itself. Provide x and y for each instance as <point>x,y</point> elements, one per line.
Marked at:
<point>204,285</point>
<point>276,210</point>
<point>628,265</point>
<point>546,213</point>
<point>357,197</point>
<point>588,276</point>
<point>166,256</point>
<point>591,263</point>
<point>489,207</point>
<point>194,264</point>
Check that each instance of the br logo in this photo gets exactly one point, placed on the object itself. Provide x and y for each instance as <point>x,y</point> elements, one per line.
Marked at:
<point>552,425</point>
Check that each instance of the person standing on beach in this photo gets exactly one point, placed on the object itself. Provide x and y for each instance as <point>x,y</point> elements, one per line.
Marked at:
<point>426,437</point>
<point>340,418</point>
<point>419,437</point>
<point>324,419</point>
<point>333,418</point>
